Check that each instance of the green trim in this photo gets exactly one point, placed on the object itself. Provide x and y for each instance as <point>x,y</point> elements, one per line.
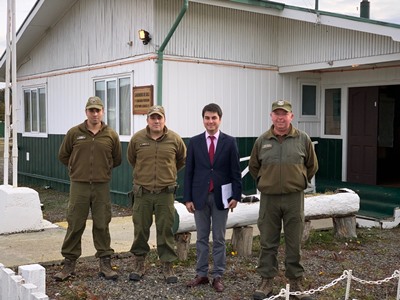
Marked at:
<point>45,178</point>
<point>329,154</point>
<point>1,129</point>
<point>175,226</point>
<point>44,168</point>
<point>375,201</point>
<point>160,52</point>
<point>282,6</point>
<point>262,3</point>
<point>346,17</point>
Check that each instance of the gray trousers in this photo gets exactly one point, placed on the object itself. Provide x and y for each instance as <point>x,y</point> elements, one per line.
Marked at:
<point>275,210</point>
<point>207,219</point>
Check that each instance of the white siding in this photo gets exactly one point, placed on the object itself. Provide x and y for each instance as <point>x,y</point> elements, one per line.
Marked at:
<point>219,33</point>
<point>302,43</point>
<point>91,32</point>
<point>67,93</point>
<point>245,96</point>
<point>95,33</point>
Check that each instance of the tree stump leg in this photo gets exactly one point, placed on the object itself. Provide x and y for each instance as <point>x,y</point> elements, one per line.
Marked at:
<point>306,231</point>
<point>182,245</point>
<point>344,227</point>
<point>242,240</point>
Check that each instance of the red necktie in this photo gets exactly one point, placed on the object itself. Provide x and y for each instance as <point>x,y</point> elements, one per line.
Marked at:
<point>211,152</point>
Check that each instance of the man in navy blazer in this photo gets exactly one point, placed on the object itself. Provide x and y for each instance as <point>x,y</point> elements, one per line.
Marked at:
<point>203,193</point>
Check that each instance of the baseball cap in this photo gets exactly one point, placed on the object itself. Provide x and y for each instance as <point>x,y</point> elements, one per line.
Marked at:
<point>156,109</point>
<point>282,104</point>
<point>94,102</point>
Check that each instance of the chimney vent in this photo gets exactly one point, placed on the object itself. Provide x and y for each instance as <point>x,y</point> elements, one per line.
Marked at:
<point>364,10</point>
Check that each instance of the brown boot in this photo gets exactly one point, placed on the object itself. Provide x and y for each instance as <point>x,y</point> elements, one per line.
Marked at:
<point>297,285</point>
<point>138,268</point>
<point>106,270</point>
<point>67,271</point>
<point>264,290</point>
<point>169,274</point>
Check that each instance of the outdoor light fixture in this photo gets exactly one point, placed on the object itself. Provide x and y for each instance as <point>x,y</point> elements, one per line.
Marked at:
<point>144,36</point>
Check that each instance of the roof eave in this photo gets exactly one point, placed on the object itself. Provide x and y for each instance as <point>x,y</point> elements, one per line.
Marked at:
<point>311,16</point>
<point>44,15</point>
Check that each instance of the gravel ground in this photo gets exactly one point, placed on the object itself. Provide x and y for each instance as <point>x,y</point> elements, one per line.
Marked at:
<point>373,257</point>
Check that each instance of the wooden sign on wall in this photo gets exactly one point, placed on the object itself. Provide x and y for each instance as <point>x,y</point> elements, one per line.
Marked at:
<point>142,99</point>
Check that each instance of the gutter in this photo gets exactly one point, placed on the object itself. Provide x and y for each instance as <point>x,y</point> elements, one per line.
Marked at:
<point>160,52</point>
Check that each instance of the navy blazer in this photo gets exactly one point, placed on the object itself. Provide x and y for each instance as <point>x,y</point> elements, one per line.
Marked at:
<point>199,171</point>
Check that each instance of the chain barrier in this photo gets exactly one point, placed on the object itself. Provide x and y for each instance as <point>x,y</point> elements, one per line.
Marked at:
<point>285,293</point>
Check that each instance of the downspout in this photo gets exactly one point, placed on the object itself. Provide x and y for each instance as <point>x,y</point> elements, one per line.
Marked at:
<point>160,52</point>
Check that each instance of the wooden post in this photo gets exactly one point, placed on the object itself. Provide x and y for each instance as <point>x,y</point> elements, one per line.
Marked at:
<point>242,240</point>
<point>182,245</point>
<point>344,227</point>
<point>306,231</point>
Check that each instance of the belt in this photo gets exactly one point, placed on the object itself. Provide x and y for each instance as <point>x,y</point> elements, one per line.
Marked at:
<point>156,191</point>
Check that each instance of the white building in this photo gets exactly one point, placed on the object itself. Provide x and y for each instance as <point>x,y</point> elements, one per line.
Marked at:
<point>341,73</point>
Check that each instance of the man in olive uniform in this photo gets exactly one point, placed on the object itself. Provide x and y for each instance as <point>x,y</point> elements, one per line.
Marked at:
<point>156,154</point>
<point>282,162</point>
<point>90,150</point>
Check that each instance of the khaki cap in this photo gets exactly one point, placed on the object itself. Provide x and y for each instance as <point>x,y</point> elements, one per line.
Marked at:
<point>282,104</point>
<point>94,102</point>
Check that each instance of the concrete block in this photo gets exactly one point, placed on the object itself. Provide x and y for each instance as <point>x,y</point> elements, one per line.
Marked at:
<point>35,274</point>
<point>39,296</point>
<point>5,274</point>
<point>20,209</point>
<point>26,291</point>
<point>14,292</point>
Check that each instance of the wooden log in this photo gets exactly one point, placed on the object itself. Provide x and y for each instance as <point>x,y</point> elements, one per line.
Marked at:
<point>242,240</point>
<point>306,232</point>
<point>315,207</point>
<point>344,227</point>
<point>182,241</point>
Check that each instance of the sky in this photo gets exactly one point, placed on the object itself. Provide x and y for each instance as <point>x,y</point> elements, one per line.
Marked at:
<point>380,10</point>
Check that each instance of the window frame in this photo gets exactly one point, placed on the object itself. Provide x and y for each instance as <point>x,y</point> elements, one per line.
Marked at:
<point>317,116</point>
<point>36,88</point>
<point>339,90</point>
<point>343,103</point>
<point>117,113</point>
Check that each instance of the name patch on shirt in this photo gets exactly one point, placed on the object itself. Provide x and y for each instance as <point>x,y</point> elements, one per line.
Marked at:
<point>81,137</point>
<point>144,144</point>
<point>267,146</point>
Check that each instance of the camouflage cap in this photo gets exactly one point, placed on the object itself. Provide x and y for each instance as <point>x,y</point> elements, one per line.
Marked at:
<point>156,109</point>
<point>282,104</point>
<point>94,102</point>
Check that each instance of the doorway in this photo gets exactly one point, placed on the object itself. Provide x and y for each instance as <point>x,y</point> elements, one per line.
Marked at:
<point>373,155</point>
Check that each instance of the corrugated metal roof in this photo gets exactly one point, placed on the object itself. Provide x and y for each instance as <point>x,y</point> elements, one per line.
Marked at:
<point>311,15</point>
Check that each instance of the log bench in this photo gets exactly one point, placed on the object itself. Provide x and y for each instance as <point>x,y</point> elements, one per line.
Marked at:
<point>341,206</point>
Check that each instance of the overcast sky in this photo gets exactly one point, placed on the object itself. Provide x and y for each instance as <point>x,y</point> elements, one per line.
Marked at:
<point>381,10</point>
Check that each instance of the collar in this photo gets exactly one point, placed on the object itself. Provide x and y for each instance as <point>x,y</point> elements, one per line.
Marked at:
<point>216,135</point>
<point>293,132</point>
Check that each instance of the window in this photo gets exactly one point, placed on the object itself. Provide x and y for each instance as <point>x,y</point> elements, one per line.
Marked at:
<point>309,100</point>
<point>116,95</point>
<point>35,117</point>
<point>332,111</point>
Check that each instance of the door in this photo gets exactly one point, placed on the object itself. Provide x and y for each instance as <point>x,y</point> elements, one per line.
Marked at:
<point>362,135</point>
